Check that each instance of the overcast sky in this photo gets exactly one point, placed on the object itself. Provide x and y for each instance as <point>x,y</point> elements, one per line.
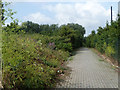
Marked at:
<point>89,13</point>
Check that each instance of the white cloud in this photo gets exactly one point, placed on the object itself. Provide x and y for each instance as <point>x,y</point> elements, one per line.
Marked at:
<point>90,14</point>
<point>38,18</point>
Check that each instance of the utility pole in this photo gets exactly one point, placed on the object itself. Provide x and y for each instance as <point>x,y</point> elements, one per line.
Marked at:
<point>111,15</point>
<point>119,8</point>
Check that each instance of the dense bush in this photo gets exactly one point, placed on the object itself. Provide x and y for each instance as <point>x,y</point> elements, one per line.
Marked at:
<point>106,40</point>
<point>32,58</point>
<point>28,63</point>
<point>65,37</point>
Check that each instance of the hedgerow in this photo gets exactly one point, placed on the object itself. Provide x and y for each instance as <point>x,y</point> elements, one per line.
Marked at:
<point>106,40</point>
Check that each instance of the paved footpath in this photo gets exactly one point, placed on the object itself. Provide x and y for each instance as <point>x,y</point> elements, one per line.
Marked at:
<point>88,71</point>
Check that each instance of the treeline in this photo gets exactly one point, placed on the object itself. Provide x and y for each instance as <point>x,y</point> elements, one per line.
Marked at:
<point>106,40</point>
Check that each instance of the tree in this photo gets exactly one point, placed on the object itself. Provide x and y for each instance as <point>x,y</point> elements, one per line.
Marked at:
<point>7,13</point>
<point>106,40</point>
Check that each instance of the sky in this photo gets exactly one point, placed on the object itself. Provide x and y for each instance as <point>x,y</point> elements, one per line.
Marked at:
<point>89,13</point>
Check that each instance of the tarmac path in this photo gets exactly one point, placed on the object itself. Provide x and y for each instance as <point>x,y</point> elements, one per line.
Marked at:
<point>89,71</point>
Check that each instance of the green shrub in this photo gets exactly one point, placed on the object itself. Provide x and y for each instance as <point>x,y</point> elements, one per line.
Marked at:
<point>109,51</point>
<point>28,63</point>
<point>106,40</point>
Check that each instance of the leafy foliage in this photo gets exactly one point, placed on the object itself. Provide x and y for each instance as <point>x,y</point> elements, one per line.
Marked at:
<point>27,63</point>
<point>66,37</point>
<point>106,40</point>
<point>32,58</point>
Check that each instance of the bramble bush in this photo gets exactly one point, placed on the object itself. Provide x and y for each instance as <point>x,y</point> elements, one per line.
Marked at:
<point>53,42</point>
<point>28,63</point>
<point>32,57</point>
<point>65,37</point>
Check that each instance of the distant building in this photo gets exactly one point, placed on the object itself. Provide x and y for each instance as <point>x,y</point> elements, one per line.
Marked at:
<point>119,7</point>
